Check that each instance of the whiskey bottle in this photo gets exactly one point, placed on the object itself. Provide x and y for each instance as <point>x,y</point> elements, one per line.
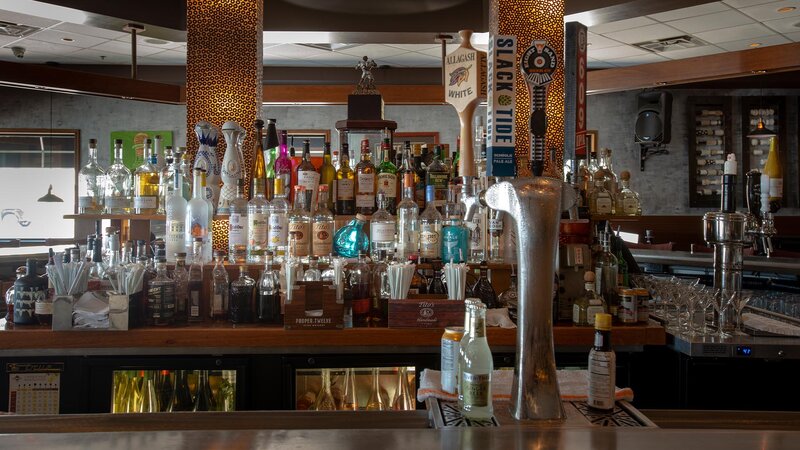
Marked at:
<point>345,185</point>
<point>436,175</point>
<point>365,181</point>
<point>328,176</point>
<point>240,309</point>
<point>387,178</point>
<point>90,184</point>
<point>308,176</point>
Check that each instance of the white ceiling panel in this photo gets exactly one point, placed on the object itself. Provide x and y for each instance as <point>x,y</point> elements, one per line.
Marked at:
<point>89,31</point>
<point>745,3</point>
<point>744,44</point>
<point>294,51</point>
<point>102,57</point>
<point>597,64</point>
<point>151,42</point>
<point>793,36</point>
<point>692,52</point>
<point>785,25</point>
<point>708,22</point>
<point>769,11</point>
<point>33,46</point>
<point>691,11</point>
<point>735,33</point>
<point>374,51</point>
<point>170,57</point>
<point>336,59</point>
<point>124,48</point>
<point>410,60</point>
<point>5,40</point>
<point>24,19</point>
<point>77,40</point>
<point>437,52</point>
<point>416,47</point>
<point>636,60</point>
<point>597,41</point>
<point>646,33</point>
<point>621,51</point>
<point>621,25</point>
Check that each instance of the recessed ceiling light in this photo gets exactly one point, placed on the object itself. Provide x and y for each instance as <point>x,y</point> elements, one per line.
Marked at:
<point>786,9</point>
<point>66,39</point>
<point>755,44</point>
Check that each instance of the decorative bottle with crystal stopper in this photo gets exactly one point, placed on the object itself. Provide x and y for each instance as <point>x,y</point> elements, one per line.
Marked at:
<point>351,238</point>
<point>90,183</point>
<point>231,170</point>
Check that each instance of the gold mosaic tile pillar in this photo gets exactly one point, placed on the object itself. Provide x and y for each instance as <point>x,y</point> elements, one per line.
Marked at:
<point>223,74</point>
<point>531,20</point>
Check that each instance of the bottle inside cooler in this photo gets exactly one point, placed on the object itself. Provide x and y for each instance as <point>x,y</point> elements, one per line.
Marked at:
<point>356,389</point>
<point>162,390</point>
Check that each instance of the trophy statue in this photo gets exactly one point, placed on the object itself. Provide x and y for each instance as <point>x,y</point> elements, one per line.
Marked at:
<point>366,85</point>
<point>231,166</point>
<point>206,158</point>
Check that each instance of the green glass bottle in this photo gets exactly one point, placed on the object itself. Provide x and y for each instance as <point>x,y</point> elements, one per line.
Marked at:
<point>328,175</point>
<point>387,178</point>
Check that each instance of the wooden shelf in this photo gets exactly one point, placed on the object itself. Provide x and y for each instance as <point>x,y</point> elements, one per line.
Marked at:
<point>136,217</point>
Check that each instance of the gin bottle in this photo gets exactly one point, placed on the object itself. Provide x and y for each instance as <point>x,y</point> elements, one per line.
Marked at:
<point>278,232</point>
<point>407,222</point>
<point>382,229</point>
<point>365,181</point>
<point>195,308</point>
<point>430,228</point>
<point>299,221</point>
<point>240,308</point>
<point>257,225</point>
<point>237,226</point>
<point>118,186</point>
<point>219,288</point>
<point>90,184</point>
<point>476,369</point>
<point>455,236</point>
<point>322,228</point>
<point>627,200</point>
<point>269,300</point>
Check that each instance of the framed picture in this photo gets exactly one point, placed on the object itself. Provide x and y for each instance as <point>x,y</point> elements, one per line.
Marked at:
<point>133,145</point>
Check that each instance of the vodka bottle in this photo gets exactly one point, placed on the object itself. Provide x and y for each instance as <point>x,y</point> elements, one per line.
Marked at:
<point>157,150</point>
<point>118,186</point>
<point>237,226</point>
<point>308,176</point>
<point>430,228</point>
<point>257,225</point>
<point>602,366</point>
<point>299,223</point>
<point>365,181</point>
<point>186,174</point>
<point>219,288</point>
<point>269,297</point>
<point>198,223</point>
<point>322,228</point>
<point>476,369</point>
<point>181,277</point>
<point>90,184</point>
<point>407,222</point>
<point>176,207</point>
<point>382,229</point>
<point>195,307</point>
<point>278,232</point>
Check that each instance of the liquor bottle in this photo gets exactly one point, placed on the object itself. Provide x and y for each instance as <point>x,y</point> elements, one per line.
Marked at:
<point>187,180</point>
<point>351,239</point>
<point>181,399</point>
<point>161,297</point>
<point>237,226</point>
<point>447,161</point>
<point>283,165</point>
<point>455,236</point>
<point>350,398</point>
<point>772,169</point>
<point>587,305</point>
<point>28,289</point>
<point>365,181</point>
<point>204,399</point>
<point>602,366</point>
<point>436,175</point>
<point>606,269</point>
<point>206,159</point>
<point>322,227</point>
<point>165,180</point>
<point>379,311</point>
<point>119,182</point>
<point>476,369</point>
<point>328,176</point>
<point>454,175</point>
<point>387,178</point>
<point>477,228</point>
<point>219,288</point>
<point>628,203</point>
<point>198,217</point>
<point>240,309</point>
<point>345,185</point>
<point>601,202</point>
<point>404,166</point>
<point>90,184</point>
<point>483,289</point>
<point>605,172</point>
<point>313,273</point>
<point>430,229</point>
<point>480,160</point>
<point>299,223</point>
<point>623,279</point>
<point>426,158</point>
<point>509,298</point>
<point>360,282</point>
<point>407,222</point>
<point>419,176</point>
<point>375,402</point>
<point>435,283</point>
<point>149,401</point>
<point>270,155</point>
<point>404,399</point>
<point>196,307</point>
<point>382,228</point>
<point>295,160</point>
<point>269,297</point>
<point>325,401</point>
<point>278,231</point>
<point>181,277</point>
<point>10,295</point>
<point>419,282</point>
<point>495,233</point>
<point>257,225</point>
<point>258,174</point>
<point>585,182</point>
<point>308,176</point>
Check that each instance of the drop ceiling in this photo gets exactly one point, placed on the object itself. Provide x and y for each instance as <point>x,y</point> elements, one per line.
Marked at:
<point>729,25</point>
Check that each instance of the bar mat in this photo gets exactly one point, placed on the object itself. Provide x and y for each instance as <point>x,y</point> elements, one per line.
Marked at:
<point>451,417</point>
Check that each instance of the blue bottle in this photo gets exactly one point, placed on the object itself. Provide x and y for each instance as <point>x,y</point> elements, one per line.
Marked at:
<point>351,238</point>
<point>455,235</point>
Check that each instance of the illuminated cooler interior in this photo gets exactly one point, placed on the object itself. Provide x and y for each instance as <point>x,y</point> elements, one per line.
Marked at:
<point>308,383</point>
<point>126,395</point>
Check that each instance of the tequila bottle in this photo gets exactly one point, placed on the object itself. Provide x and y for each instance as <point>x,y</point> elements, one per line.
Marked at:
<point>232,168</point>
<point>90,184</point>
<point>476,369</point>
<point>237,226</point>
<point>328,176</point>
<point>270,155</point>
<point>601,202</point>
<point>269,297</point>
<point>165,181</point>
<point>219,288</point>
<point>628,203</point>
<point>278,232</point>
<point>430,229</point>
<point>407,222</point>
<point>308,176</point>
<point>206,159</point>
<point>322,227</point>
<point>257,225</point>
<point>436,175</point>
<point>299,221</point>
<point>258,173</point>
<point>351,239</point>
<point>387,178</point>
<point>240,308</point>
<point>382,229</point>
<point>161,297</point>
<point>181,277</point>
<point>195,307</point>
<point>605,172</point>
<point>283,164</point>
<point>145,199</point>
<point>119,182</point>
<point>365,181</point>
<point>198,217</point>
<point>345,185</point>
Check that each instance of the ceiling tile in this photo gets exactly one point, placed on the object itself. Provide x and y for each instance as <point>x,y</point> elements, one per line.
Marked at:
<point>102,57</point>
<point>769,11</point>
<point>33,46</point>
<point>151,42</point>
<point>294,51</point>
<point>735,33</point>
<point>167,57</point>
<point>691,11</point>
<point>708,22</point>
<point>437,52</point>
<point>744,44</point>
<point>745,3</point>
<point>621,51</point>
<point>785,25</point>
<point>636,60</point>
<point>78,40</point>
<point>597,41</point>
<point>374,51</point>
<point>793,36</point>
<point>595,64</point>
<point>646,33</point>
<point>24,19</point>
<point>88,30</point>
<point>620,25</point>
<point>5,40</point>
<point>124,48</point>
<point>411,59</point>
<point>692,52</point>
<point>416,47</point>
<point>337,59</point>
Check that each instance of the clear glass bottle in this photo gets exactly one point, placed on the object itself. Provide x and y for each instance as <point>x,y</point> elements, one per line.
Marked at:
<point>407,222</point>
<point>195,307</point>
<point>365,181</point>
<point>181,277</point>
<point>269,296</point>
<point>175,224</point>
<point>90,184</point>
<point>601,202</point>
<point>308,176</point>
<point>382,228</point>
<point>240,307</point>
<point>387,178</point>
<point>476,369</point>
<point>257,226</point>
<point>602,366</point>
<point>270,155</point>
<point>605,172</point>
<point>20,272</point>
<point>375,402</point>
<point>237,226</point>
<point>509,298</point>
<point>204,399</point>
<point>325,401</point>
<point>455,236</point>
<point>628,203</point>
<point>161,297</point>
<point>312,273</point>
<point>435,282</point>
<point>283,164</point>
<point>181,398</point>
<point>322,227</point>
<point>351,238</point>
<point>345,185</point>
<point>145,197</point>
<point>165,180</point>
<point>430,229</point>
<point>198,224</point>
<point>379,311</point>
<point>469,304</point>
<point>149,395</point>
<point>404,399</point>
<point>606,269</point>
<point>28,289</point>
<point>218,309</point>
<point>187,180</point>
<point>419,176</point>
<point>278,232</point>
<point>773,170</point>
<point>437,175</point>
<point>495,234</point>
<point>299,222</point>
<point>328,176</point>
<point>118,186</point>
<point>419,282</point>
<point>477,229</point>
<point>350,401</point>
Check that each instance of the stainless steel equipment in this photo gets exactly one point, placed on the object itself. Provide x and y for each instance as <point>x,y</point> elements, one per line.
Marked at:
<point>760,225</point>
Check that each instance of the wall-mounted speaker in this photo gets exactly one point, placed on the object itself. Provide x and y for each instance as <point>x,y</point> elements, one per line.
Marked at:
<point>654,118</point>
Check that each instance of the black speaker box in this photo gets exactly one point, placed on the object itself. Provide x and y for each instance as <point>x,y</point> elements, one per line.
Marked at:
<point>654,118</point>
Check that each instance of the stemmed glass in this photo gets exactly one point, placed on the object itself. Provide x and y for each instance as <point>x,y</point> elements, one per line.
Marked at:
<point>739,301</point>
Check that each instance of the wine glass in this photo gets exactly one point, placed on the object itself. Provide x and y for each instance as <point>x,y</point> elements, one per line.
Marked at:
<point>739,301</point>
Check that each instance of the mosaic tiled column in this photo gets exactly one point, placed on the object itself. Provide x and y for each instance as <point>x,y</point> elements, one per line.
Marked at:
<point>531,20</point>
<point>223,73</point>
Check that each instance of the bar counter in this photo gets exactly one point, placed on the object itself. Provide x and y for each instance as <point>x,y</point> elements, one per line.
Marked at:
<point>225,338</point>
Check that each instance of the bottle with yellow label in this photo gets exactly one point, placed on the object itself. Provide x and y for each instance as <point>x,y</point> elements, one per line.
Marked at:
<point>476,369</point>
<point>773,169</point>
